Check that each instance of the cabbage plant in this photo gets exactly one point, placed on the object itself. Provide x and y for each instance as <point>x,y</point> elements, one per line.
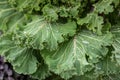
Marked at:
<point>62,39</point>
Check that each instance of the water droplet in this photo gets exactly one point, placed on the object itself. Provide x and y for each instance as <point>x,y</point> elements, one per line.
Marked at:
<point>85,42</point>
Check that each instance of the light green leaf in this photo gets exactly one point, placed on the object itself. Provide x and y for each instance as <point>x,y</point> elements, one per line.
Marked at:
<point>26,4</point>
<point>78,54</point>
<point>5,43</point>
<point>10,19</point>
<point>116,43</point>
<point>42,31</point>
<point>50,12</point>
<point>93,22</point>
<point>22,59</point>
<point>104,6</point>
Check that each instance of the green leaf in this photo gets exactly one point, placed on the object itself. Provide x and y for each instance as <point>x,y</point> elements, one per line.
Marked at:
<point>10,19</point>
<point>42,72</point>
<point>82,78</point>
<point>60,39</point>
<point>67,74</point>
<point>93,22</point>
<point>116,2</point>
<point>72,55</point>
<point>104,6</point>
<point>29,5</point>
<point>116,43</point>
<point>105,69</point>
<point>112,77</point>
<point>42,31</point>
<point>21,58</point>
<point>50,12</point>
<point>5,43</point>
<point>107,66</point>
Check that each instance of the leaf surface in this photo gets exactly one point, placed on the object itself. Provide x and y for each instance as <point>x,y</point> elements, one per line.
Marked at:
<point>93,22</point>
<point>10,19</point>
<point>116,44</point>
<point>78,54</point>
<point>22,59</point>
<point>42,72</point>
<point>104,6</point>
<point>42,31</point>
